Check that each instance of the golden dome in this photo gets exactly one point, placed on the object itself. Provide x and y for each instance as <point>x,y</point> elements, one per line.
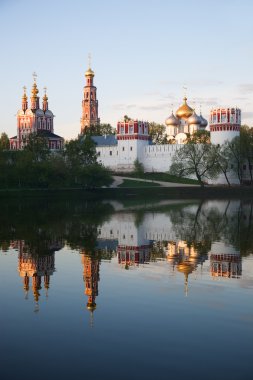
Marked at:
<point>89,73</point>
<point>184,111</point>
<point>35,90</point>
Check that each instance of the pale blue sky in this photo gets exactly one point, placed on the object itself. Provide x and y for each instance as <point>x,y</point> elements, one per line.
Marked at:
<point>143,52</point>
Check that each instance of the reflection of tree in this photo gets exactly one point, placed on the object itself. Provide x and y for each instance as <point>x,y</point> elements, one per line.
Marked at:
<point>43,222</point>
<point>246,228</point>
<point>227,221</point>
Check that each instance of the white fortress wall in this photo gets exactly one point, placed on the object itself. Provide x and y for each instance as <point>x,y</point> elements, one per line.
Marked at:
<point>158,158</point>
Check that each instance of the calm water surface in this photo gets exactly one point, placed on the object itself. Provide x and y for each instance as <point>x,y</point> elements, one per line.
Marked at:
<point>114,290</point>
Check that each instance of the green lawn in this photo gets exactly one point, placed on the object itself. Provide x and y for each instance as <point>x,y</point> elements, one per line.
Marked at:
<point>136,183</point>
<point>165,177</point>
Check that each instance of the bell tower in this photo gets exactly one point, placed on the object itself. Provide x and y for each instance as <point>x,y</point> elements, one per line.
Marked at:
<point>89,102</point>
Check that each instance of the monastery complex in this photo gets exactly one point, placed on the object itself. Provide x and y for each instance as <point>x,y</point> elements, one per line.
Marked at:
<point>132,140</point>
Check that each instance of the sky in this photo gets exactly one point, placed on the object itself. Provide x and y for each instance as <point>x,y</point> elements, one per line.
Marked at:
<point>143,53</point>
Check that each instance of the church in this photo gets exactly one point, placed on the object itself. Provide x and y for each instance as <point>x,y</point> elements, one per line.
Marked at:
<point>34,119</point>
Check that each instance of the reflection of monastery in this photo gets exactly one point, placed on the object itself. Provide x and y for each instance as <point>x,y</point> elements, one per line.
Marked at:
<point>137,241</point>
<point>225,262</point>
<point>36,267</point>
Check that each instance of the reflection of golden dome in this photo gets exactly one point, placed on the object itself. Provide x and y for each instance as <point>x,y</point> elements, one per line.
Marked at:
<point>185,268</point>
<point>89,73</point>
<point>91,306</point>
<point>184,111</point>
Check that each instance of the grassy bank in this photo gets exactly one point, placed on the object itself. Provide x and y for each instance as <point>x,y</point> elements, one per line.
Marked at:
<point>164,177</point>
<point>135,183</point>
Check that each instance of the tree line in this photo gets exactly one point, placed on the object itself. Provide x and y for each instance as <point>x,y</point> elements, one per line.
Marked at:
<point>36,167</point>
<point>206,161</point>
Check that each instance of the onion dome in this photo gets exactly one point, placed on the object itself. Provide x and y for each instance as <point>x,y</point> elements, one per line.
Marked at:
<point>24,97</point>
<point>89,73</point>
<point>194,119</point>
<point>45,97</point>
<point>172,120</point>
<point>35,90</point>
<point>203,121</point>
<point>184,111</point>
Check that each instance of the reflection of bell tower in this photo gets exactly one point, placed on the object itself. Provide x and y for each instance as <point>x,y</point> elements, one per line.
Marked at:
<point>36,267</point>
<point>91,278</point>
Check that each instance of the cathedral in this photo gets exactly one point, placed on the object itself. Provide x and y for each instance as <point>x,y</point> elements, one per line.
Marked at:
<point>39,121</point>
<point>186,122</point>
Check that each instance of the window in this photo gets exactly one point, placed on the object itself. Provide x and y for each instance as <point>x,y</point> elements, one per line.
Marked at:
<point>87,95</point>
<point>98,153</point>
<point>244,167</point>
<point>110,153</point>
<point>123,148</point>
<point>131,148</point>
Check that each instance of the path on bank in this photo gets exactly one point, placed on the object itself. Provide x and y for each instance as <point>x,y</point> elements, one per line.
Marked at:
<point>118,180</point>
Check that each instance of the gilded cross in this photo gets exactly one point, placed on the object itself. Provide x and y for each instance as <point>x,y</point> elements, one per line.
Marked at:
<point>34,76</point>
<point>185,90</point>
<point>89,60</point>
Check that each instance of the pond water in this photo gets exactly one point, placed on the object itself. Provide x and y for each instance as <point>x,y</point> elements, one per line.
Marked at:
<point>126,291</point>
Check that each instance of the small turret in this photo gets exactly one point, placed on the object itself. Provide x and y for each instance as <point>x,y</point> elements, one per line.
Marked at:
<point>34,94</point>
<point>45,100</point>
<point>24,100</point>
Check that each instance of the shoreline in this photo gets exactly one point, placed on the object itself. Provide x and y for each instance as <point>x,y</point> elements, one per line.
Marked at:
<point>180,192</point>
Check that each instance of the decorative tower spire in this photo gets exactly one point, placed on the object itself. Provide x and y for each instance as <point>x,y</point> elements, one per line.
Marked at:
<point>45,100</point>
<point>89,104</point>
<point>24,100</point>
<point>34,94</point>
<point>26,285</point>
<point>91,278</point>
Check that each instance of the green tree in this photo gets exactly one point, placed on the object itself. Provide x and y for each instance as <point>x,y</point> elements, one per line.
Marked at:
<point>80,151</point>
<point>157,133</point>
<point>234,150</point>
<point>224,159</point>
<point>4,142</point>
<point>138,167</point>
<point>195,159</point>
<point>100,130</point>
<point>199,137</point>
<point>37,146</point>
<point>81,158</point>
<point>246,146</point>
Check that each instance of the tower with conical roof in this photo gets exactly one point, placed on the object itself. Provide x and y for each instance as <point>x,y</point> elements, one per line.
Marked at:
<point>89,103</point>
